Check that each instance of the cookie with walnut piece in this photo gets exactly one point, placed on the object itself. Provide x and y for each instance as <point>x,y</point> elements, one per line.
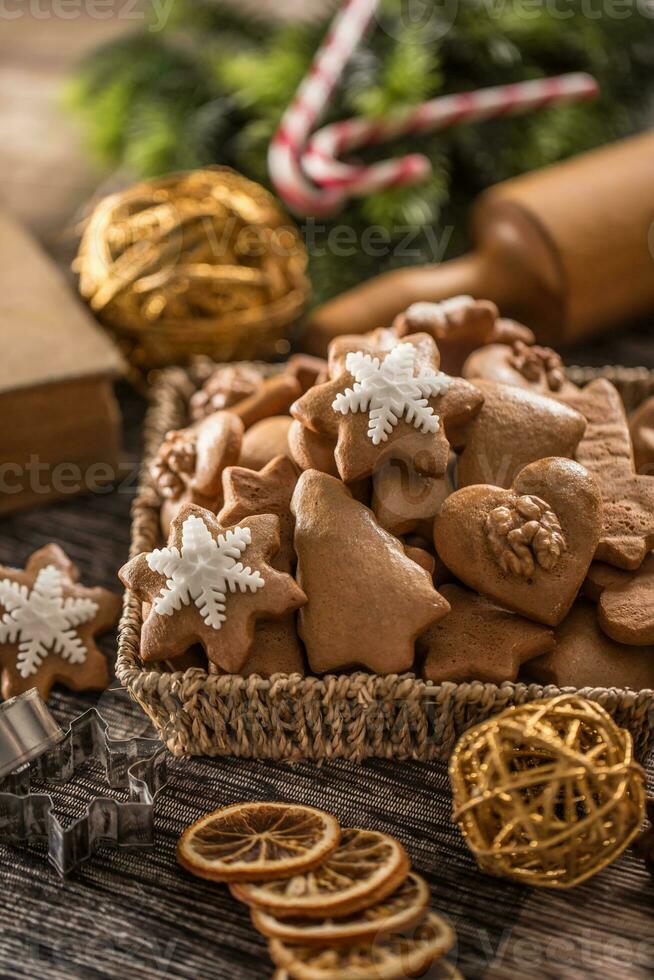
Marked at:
<point>528,548</point>
<point>48,624</point>
<point>251,842</point>
<point>538,368</point>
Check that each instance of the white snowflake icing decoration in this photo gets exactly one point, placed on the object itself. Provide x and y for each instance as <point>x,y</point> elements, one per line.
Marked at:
<point>43,621</point>
<point>391,389</point>
<point>203,571</point>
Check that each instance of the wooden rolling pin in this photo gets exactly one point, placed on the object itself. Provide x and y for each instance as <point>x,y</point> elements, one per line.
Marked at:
<point>569,250</point>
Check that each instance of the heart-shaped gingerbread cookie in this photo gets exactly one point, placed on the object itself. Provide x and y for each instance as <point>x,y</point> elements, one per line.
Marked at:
<point>528,548</point>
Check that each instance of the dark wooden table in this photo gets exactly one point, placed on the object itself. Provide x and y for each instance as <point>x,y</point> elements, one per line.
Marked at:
<point>139,915</point>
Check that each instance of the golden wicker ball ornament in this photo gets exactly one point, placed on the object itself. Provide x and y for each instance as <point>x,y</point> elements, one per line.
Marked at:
<point>203,262</point>
<point>548,792</point>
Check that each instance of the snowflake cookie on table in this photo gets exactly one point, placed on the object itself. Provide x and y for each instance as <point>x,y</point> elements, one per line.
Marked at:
<point>48,622</point>
<point>209,586</point>
<point>388,400</point>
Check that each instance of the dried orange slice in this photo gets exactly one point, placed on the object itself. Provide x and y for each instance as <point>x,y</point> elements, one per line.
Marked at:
<point>438,970</point>
<point>363,870</point>
<point>401,909</point>
<point>388,958</point>
<point>257,841</point>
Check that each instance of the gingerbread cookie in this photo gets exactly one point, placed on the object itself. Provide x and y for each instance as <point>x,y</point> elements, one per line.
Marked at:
<point>585,657</point>
<point>421,557</point>
<point>528,548</point>
<point>274,396</point>
<point>459,326</point>
<point>606,452</point>
<point>377,343</point>
<point>265,440</point>
<point>48,625</point>
<point>398,404</point>
<point>641,428</point>
<point>226,386</point>
<point>189,464</point>
<point>201,591</point>
<point>515,427</point>
<point>538,368</point>
<point>479,641</point>
<point>625,601</point>
<point>367,601</point>
<point>276,648</point>
<point>405,502</point>
<point>310,450</point>
<point>307,369</point>
<point>602,576</point>
<point>269,491</point>
<point>507,331</point>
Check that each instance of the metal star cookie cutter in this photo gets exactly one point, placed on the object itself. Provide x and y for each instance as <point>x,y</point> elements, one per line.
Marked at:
<point>135,764</point>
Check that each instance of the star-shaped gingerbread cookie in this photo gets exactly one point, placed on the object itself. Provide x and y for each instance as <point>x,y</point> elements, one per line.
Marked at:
<point>48,624</point>
<point>479,641</point>
<point>368,601</point>
<point>390,404</point>
<point>376,343</point>
<point>628,497</point>
<point>276,648</point>
<point>200,589</point>
<point>625,601</point>
<point>267,491</point>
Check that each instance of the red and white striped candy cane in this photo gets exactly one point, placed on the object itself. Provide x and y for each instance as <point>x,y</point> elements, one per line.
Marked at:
<point>290,160</point>
<point>320,161</point>
<point>310,100</point>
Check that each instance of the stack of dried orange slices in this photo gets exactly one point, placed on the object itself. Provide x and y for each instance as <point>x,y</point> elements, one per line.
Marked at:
<point>335,904</point>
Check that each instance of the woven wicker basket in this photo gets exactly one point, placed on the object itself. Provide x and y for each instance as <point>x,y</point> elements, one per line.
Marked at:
<point>355,716</point>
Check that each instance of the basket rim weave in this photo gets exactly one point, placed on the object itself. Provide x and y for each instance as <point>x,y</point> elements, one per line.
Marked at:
<point>166,695</point>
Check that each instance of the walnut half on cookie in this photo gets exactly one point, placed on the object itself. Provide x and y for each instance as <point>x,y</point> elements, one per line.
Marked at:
<point>525,534</point>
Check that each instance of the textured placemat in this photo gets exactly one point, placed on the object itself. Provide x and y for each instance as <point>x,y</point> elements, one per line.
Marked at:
<point>134,915</point>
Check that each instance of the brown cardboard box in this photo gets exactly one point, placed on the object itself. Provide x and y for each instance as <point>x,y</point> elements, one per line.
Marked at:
<point>59,420</point>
